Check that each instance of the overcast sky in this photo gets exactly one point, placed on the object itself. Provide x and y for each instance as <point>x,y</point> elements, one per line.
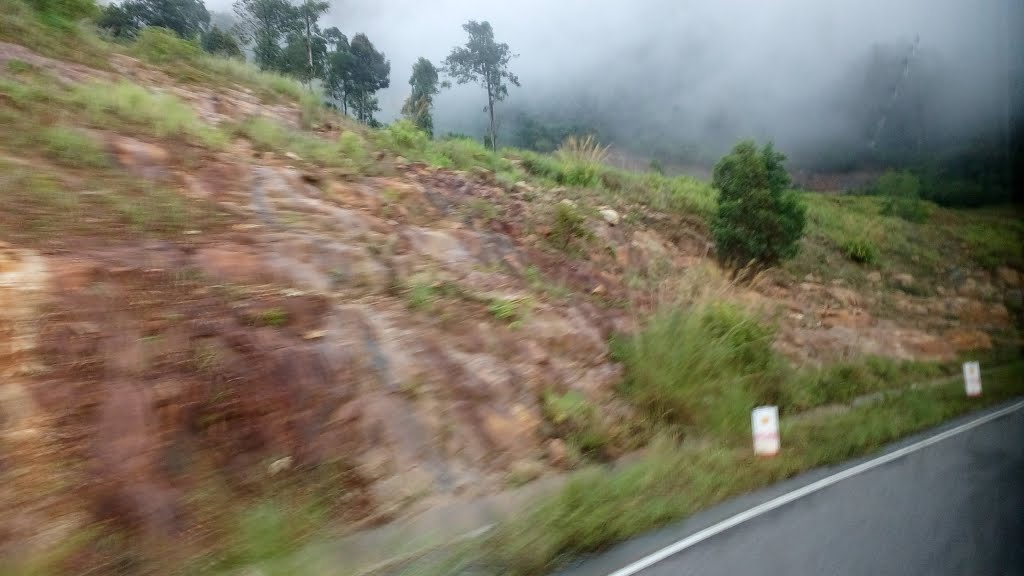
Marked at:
<point>763,67</point>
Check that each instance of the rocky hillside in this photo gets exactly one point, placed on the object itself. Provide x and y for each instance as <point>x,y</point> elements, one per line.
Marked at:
<point>211,290</point>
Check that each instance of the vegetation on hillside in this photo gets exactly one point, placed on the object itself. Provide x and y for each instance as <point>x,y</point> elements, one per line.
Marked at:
<point>692,370</point>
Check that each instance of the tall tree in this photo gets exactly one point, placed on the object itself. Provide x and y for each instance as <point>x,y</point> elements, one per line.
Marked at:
<point>266,23</point>
<point>370,71</point>
<point>425,84</point>
<point>338,67</point>
<point>484,61</point>
<point>310,12</point>
<point>221,43</point>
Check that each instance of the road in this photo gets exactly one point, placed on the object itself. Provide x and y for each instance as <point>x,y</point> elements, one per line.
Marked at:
<point>949,502</point>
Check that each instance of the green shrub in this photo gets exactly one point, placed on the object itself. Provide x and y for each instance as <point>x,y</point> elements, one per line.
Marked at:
<point>403,137</point>
<point>706,367</point>
<point>352,146</point>
<point>758,221</point>
<point>74,148</point>
<point>570,227</point>
<point>575,419</point>
<point>901,192</point>
<point>64,13</point>
<point>579,174</point>
<point>860,251</point>
<point>163,46</point>
<point>512,311</point>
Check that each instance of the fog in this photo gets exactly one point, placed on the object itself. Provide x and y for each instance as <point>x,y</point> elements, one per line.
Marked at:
<point>651,74</point>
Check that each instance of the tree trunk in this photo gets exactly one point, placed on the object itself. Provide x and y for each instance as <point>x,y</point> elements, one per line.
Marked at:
<point>490,109</point>
<point>309,49</point>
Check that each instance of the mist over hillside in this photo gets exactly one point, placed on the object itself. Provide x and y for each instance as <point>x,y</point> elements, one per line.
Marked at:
<point>683,80</point>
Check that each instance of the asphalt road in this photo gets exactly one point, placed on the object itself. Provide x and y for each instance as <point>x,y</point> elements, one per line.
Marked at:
<point>954,507</point>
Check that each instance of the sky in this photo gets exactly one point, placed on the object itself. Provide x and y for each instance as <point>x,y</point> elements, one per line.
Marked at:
<point>692,70</point>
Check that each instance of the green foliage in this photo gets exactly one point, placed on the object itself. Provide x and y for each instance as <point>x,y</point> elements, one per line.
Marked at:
<point>272,317</point>
<point>758,221</point>
<point>425,84</point>
<point>483,61</point>
<point>74,148</point>
<point>860,251</point>
<point>599,508</point>
<point>186,18</point>
<point>270,83</point>
<point>267,23</point>
<point>421,296</point>
<point>569,228</point>
<point>576,419</point>
<point>158,114</point>
<point>221,43</point>
<point>902,196</point>
<point>163,46</point>
<point>704,367</point>
<point>509,310</point>
<point>845,381</point>
<point>63,13</point>
<point>370,72</point>
<point>465,153</point>
<point>403,137</point>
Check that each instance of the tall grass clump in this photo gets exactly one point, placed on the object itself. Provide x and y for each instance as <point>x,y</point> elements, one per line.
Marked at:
<point>703,366</point>
<point>74,148</point>
<point>158,114</point>
<point>246,74</point>
<point>583,150</point>
<point>163,46</point>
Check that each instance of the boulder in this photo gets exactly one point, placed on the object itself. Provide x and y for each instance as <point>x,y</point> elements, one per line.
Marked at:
<point>610,216</point>
<point>904,280</point>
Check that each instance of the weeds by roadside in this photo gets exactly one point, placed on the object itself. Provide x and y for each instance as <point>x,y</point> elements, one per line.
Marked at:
<point>600,508</point>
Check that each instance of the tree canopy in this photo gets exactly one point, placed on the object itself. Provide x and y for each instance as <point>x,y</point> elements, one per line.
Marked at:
<point>484,61</point>
<point>759,222</point>
<point>425,83</point>
<point>187,18</point>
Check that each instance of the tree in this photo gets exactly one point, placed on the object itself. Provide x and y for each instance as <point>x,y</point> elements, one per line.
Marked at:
<point>369,71</point>
<point>338,67</point>
<point>310,12</point>
<point>221,43</point>
<point>759,222</point>
<point>484,61</point>
<point>119,21</point>
<point>425,85</point>
<point>266,23</point>
<point>187,18</point>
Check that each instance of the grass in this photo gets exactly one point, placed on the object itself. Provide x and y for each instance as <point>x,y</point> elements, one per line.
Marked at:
<point>347,151</point>
<point>273,317</point>
<point>702,368</point>
<point>600,508</point>
<point>511,311</point>
<point>576,419</point>
<point>159,115</point>
<point>266,83</point>
<point>583,150</point>
<point>38,206</point>
<point>848,236</point>
<point>74,148</point>
<point>51,35</point>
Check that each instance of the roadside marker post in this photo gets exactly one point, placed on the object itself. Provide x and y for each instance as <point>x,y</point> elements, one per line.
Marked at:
<point>972,379</point>
<point>765,424</point>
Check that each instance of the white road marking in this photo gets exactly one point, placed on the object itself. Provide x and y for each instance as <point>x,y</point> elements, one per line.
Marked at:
<point>697,537</point>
